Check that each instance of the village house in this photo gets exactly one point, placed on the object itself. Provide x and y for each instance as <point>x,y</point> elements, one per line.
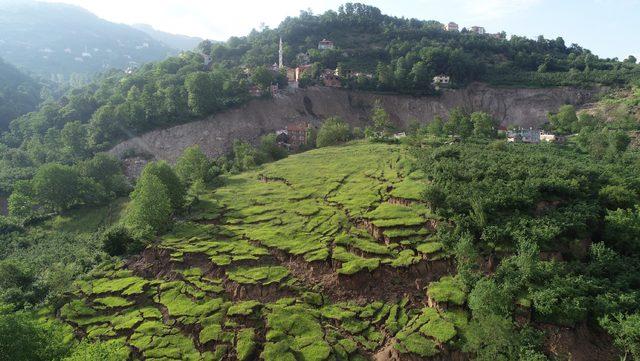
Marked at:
<point>297,133</point>
<point>206,60</point>
<point>478,30</point>
<point>548,137</point>
<point>255,91</point>
<point>441,80</point>
<point>330,78</point>
<point>325,44</point>
<point>524,135</point>
<point>451,27</point>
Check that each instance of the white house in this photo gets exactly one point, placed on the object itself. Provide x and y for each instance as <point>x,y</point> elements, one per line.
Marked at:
<point>451,26</point>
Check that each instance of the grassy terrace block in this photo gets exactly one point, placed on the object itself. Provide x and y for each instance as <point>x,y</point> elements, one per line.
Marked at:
<point>245,344</point>
<point>429,247</point>
<point>447,289</point>
<point>180,304</point>
<point>294,330</point>
<point>243,308</point>
<point>264,275</point>
<point>351,263</point>
<point>113,301</point>
<point>410,189</point>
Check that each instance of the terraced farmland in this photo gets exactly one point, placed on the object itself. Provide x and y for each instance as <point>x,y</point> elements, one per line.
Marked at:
<point>326,255</point>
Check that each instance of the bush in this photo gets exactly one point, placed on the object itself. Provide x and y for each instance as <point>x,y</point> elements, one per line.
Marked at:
<point>332,132</point>
<point>118,241</point>
<point>150,209</point>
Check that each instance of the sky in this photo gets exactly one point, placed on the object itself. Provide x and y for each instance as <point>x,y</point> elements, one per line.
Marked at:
<point>609,28</point>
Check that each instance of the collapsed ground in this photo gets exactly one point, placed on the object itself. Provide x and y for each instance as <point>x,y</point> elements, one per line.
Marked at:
<point>319,256</point>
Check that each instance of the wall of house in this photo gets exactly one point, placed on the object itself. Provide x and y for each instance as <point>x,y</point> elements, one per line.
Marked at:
<point>525,107</point>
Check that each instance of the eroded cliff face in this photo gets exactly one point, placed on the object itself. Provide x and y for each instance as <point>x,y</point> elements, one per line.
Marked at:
<point>512,106</point>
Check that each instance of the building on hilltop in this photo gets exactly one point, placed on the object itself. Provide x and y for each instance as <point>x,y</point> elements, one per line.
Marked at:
<point>478,30</point>
<point>524,135</point>
<point>441,80</point>
<point>451,26</point>
<point>297,133</point>
<point>331,79</point>
<point>325,44</point>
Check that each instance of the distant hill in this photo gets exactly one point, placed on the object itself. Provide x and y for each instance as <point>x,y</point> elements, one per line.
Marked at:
<point>19,94</point>
<point>56,41</point>
<point>176,41</point>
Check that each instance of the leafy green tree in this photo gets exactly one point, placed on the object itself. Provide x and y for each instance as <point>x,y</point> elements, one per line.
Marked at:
<point>244,156</point>
<point>487,299</point>
<point>57,186</point>
<point>484,126</point>
<point>193,165</point>
<point>169,179</point>
<point>565,121</point>
<point>113,350</point>
<point>118,241</point>
<point>491,338</point>
<point>459,123</point>
<point>201,93</point>
<point>149,211</point>
<point>625,330</point>
<point>262,77</point>
<point>622,230</point>
<point>269,150</point>
<point>18,284</point>
<point>616,196</point>
<point>381,127</point>
<point>332,132</point>
<point>436,127</point>
<point>24,338</point>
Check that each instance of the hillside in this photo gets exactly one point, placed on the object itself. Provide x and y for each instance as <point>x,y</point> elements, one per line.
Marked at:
<point>19,94</point>
<point>56,41</point>
<point>175,41</point>
<point>524,107</point>
<point>336,254</point>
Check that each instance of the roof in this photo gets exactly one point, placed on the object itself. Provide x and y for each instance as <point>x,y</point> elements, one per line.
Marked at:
<point>298,127</point>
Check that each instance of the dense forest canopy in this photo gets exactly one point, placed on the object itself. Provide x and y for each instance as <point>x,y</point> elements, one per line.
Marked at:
<point>19,94</point>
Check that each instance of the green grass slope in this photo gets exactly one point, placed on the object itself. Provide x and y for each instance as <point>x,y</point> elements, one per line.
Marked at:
<point>321,256</point>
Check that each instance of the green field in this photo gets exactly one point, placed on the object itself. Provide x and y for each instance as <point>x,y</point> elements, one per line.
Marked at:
<point>268,266</point>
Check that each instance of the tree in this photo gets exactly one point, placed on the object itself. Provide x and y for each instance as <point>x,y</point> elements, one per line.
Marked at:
<point>201,95</point>
<point>244,156</point>
<point>57,186</point>
<point>193,165</point>
<point>381,123</point>
<point>625,330</point>
<point>458,124</point>
<point>332,132</point>
<point>484,126</point>
<point>565,121</point>
<point>622,230</point>
<point>113,350</point>
<point>150,209</point>
<point>491,338</point>
<point>269,150</point>
<point>118,241</point>
<point>24,338</point>
<point>175,189</point>
<point>74,140</point>
<point>436,127</point>
<point>262,77</point>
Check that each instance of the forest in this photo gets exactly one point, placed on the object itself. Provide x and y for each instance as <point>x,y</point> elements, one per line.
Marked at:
<point>439,240</point>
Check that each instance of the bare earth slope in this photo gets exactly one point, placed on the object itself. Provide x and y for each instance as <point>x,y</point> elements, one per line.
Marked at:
<point>519,106</point>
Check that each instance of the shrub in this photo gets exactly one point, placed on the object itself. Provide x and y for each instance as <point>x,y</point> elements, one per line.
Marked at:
<point>118,241</point>
<point>333,131</point>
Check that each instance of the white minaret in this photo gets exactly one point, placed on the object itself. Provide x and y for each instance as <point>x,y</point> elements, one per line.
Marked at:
<point>280,55</point>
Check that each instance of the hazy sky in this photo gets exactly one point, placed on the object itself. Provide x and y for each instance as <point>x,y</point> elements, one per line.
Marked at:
<point>610,28</point>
